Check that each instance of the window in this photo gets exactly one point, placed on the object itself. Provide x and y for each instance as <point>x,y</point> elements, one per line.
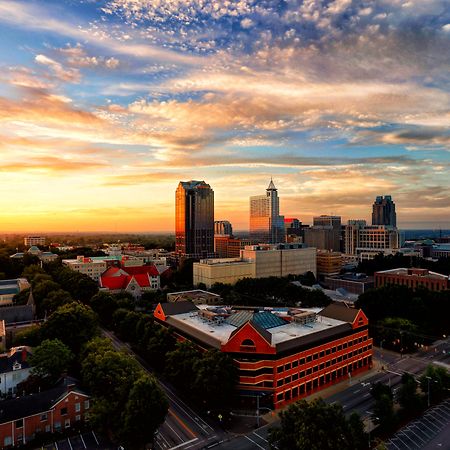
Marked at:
<point>280,369</point>
<point>294,363</point>
<point>315,368</point>
<point>77,407</point>
<point>294,376</point>
<point>308,372</point>
<point>67,423</point>
<point>322,354</point>
<point>287,380</point>
<point>287,366</point>
<point>321,366</point>
<point>77,418</point>
<point>248,342</point>
<point>315,356</point>
<point>86,404</point>
<point>280,383</point>
<point>47,428</point>
<point>64,411</point>
<point>309,358</point>
<point>302,374</point>
<point>302,389</point>
<point>7,441</point>
<point>333,350</point>
<point>57,425</point>
<point>43,417</point>
<point>279,397</point>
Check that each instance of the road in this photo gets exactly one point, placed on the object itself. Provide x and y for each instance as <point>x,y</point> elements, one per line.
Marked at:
<point>183,427</point>
<point>356,396</point>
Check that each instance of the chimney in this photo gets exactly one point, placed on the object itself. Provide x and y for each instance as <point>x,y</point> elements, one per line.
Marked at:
<point>24,354</point>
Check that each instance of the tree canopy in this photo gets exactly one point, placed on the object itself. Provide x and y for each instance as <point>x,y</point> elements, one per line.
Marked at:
<point>316,425</point>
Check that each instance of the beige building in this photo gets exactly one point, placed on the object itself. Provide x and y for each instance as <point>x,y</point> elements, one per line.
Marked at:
<point>257,261</point>
<point>87,266</point>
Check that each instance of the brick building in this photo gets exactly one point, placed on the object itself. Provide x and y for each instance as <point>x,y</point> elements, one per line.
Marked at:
<point>287,353</point>
<point>413,278</point>
<point>46,412</point>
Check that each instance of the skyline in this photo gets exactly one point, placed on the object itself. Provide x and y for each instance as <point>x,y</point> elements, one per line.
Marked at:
<point>105,106</point>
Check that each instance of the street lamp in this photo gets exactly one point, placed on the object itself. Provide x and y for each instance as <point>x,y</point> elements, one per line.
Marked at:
<point>371,415</point>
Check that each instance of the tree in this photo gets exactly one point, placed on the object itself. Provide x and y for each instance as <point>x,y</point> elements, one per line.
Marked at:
<point>384,405</point>
<point>158,345</point>
<point>144,412</point>
<point>104,304</point>
<point>407,396</point>
<point>317,426</point>
<point>54,300</point>
<point>74,324</point>
<point>436,381</point>
<point>50,359</point>
<point>216,377</point>
<point>179,368</point>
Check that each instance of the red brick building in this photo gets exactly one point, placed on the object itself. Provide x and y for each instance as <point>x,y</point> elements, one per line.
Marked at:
<point>53,410</point>
<point>413,278</point>
<point>286,352</point>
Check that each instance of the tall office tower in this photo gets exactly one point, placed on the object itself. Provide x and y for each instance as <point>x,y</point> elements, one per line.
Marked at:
<point>352,230</point>
<point>383,211</point>
<point>194,220</point>
<point>266,224</point>
<point>223,227</point>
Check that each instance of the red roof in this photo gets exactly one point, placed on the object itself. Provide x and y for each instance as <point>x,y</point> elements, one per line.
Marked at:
<point>115,278</point>
<point>135,270</point>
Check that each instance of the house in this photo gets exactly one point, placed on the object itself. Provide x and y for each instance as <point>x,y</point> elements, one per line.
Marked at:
<point>134,279</point>
<point>46,412</point>
<point>14,368</point>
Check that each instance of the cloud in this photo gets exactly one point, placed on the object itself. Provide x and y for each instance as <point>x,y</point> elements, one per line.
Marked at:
<point>49,164</point>
<point>62,73</point>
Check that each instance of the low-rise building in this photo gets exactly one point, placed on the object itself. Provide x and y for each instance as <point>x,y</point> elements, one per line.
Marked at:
<point>132,279</point>
<point>53,410</point>
<point>9,288</point>
<point>14,368</point>
<point>91,267</point>
<point>355,283</point>
<point>413,278</point>
<point>257,261</point>
<point>45,257</point>
<point>229,246</point>
<point>440,251</point>
<point>283,353</point>
<point>196,296</point>
<point>29,241</point>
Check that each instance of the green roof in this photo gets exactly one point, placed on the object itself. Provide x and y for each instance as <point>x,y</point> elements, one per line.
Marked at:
<point>264,319</point>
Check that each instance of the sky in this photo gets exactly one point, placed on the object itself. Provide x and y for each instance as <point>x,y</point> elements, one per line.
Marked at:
<point>105,105</point>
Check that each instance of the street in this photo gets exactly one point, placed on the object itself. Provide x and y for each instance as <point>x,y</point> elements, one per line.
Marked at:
<point>183,427</point>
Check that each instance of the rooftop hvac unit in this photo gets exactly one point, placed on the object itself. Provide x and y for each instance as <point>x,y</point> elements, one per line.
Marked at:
<point>305,317</point>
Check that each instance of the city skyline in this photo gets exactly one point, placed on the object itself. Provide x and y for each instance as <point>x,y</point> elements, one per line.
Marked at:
<point>105,106</point>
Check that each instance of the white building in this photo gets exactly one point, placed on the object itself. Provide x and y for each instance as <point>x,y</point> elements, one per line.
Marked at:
<point>91,267</point>
<point>29,241</point>
<point>14,368</point>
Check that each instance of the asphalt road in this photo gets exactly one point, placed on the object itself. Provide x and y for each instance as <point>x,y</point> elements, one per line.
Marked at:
<point>183,427</point>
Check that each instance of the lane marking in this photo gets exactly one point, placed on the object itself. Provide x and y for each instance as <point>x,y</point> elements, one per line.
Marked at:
<point>177,435</point>
<point>182,424</point>
<point>183,444</point>
<point>265,440</point>
<point>251,440</point>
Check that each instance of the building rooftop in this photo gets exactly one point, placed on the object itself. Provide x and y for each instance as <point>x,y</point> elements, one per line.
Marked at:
<point>414,272</point>
<point>282,328</point>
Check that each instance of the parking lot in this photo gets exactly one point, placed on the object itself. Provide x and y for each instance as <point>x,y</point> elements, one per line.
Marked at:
<point>86,440</point>
<point>432,430</point>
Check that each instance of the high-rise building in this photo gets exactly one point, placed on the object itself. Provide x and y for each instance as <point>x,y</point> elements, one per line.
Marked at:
<point>194,220</point>
<point>223,227</point>
<point>383,211</point>
<point>327,221</point>
<point>266,224</point>
<point>325,234</point>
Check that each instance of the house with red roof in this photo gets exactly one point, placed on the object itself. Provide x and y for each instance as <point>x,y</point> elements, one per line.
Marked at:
<point>133,279</point>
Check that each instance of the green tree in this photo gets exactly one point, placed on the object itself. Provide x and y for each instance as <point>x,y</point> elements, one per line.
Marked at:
<point>50,359</point>
<point>216,377</point>
<point>74,324</point>
<point>407,396</point>
<point>104,304</point>
<point>384,411</point>
<point>180,362</point>
<point>158,346</point>
<point>54,300</point>
<point>436,381</point>
<point>317,426</point>
<point>144,412</point>
<point>31,271</point>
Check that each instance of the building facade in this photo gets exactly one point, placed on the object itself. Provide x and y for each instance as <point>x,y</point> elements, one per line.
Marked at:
<point>29,241</point>
<point>223,227</point>
<point>354,283</point>
<point>228,246</point>
<point>266,224</point>
<point>14,368</point>
<point>383,211</point>
<point>54,410</point>
<point>283,353</point>
<point>91,267</point>
<point>328,263</point>
<point>257,261</point>
<point>194,220</point>
<point>9,288</point>
<point>412,278</point>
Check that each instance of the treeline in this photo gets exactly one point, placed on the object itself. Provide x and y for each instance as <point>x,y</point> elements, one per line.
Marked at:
<point>272,291</point>
<point>401,318</point>
<point>381,262</point>
<point>210,375</point>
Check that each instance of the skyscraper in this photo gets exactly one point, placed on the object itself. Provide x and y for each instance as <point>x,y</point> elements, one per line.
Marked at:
<point>383,211</point>
<point>223,227</point>
<point>194,219</point>
<point>266,224</point>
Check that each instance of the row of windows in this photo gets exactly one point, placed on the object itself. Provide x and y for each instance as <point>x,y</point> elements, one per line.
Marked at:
<point>315,356</point>
<point>303,373</point>
<point>306,388</point>
<point>7,441</point>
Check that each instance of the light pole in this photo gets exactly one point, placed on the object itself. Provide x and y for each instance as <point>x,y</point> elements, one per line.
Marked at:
<point>371,415</point>
<point>428,389</point>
